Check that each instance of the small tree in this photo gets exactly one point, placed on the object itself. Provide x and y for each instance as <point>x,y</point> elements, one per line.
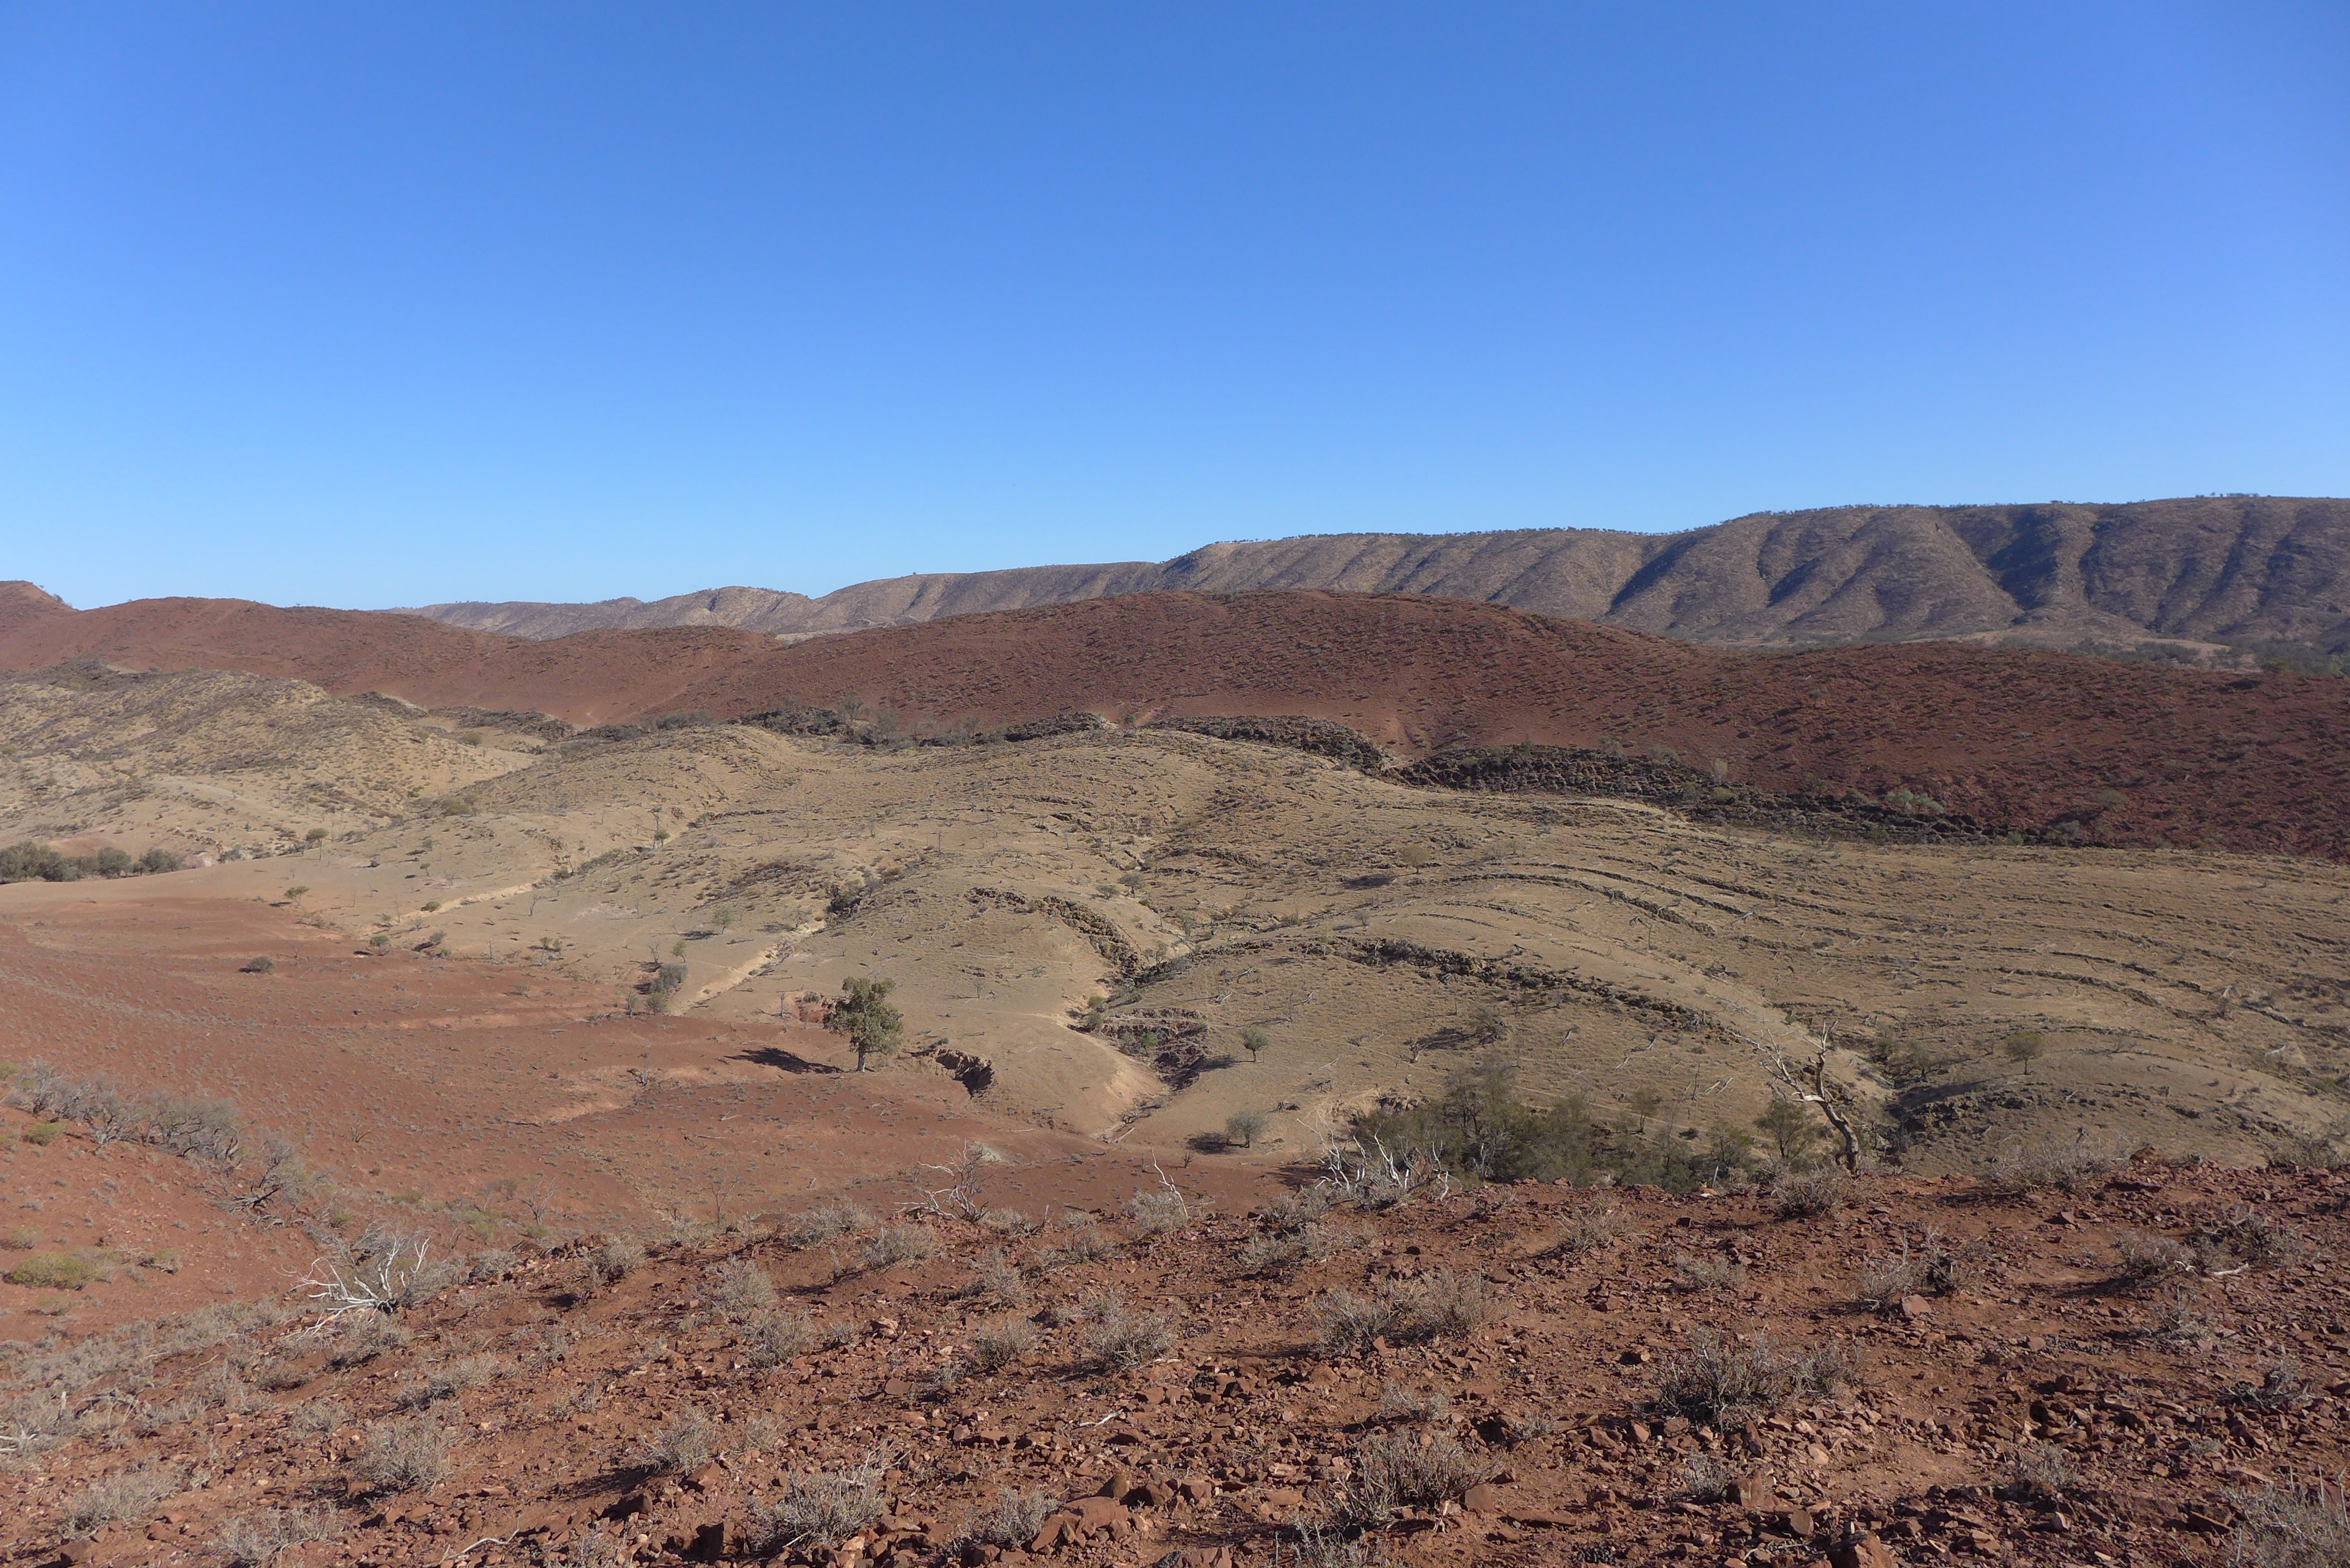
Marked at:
<point>864,1016</point>
<point>1789,1126</point>
<point>2025,1045</point>
<point>1244,1127</point>
<point>294,895</point>
<point>1253,1042</point>
<point>314,837</point>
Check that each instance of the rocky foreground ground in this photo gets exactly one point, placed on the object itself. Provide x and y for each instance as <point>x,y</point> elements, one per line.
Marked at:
<point>2133,1363</point>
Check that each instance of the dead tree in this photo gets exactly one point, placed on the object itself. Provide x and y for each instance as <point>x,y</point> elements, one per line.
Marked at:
<point>1792,1079</point>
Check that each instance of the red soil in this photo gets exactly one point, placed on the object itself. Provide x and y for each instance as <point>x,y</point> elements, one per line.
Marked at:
<point>2137,754</point>
<point>418,1083</point>
<point>2050,1410</point>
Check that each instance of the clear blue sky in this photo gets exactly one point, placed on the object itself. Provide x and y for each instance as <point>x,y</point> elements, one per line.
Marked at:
<point>385,304</point>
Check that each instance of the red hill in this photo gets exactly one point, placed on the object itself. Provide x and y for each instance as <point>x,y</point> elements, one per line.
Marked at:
<point>2010,737</point>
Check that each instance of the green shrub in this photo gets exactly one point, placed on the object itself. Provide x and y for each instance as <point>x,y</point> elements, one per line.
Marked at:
<point>55,1272</point>
<point>1477,1129</point>
<point>43,1134</point>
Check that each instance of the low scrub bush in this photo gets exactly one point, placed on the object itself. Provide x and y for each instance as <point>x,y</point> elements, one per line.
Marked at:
<point>2144,1260</point>
<point>1082,1241</point>
<point>2290,1527</point>
<point>827,1222</point>
<point>2247,1236</point>
<point>1312,1545</point>
<point>1809,1194</point>
<point>1707,1274</point>
<point>363,1336</point>
<point>1283,1253</point>
<point>822,1510</point>
<point>1705,1480</point>
<point>998,1345</point>
<point>2284,1387</point>
<point>742,1287</point>
<point>1347,1323</point>
<point>618,1257</point>
<point>899,1243</point>
<point>448,1380</point>
<point>1158,1213</point>
<point>995,1278</point>
<point>124,1499</point>
<point>257,1540</point>
<point>772,1338</point>
<point>2050,1163</point>
<point>1396,1472</point>
<point>1447,1305</point>
<point>1402,1402</point>
<point>2178,1321</point>
<point>55,1272</point>
<point>2044,1469</point>
<point>1931,1268</point>
<point>688,1441</point>
<point>1442,1306</point>
<point>1726,1384</point>
<point>1593,1230</point>
<point>495,1263</point>
<point>1115,1339</point>
<point>401,1454</point>
<point>1477,1129</point>
<point>316,1418</point>
<point>1011,1521</point>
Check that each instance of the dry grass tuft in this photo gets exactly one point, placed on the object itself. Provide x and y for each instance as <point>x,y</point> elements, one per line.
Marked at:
<point>1593,1230</point>
<point>124,1499</point>
<point>2143,1260</point>
<point>824,1508</point>
<point>1707,1274</point>
<point>2290,1527</point>
<point>1115,1339</point>
<point>742,1287</point>
<point>1443,1306</point>
<point>895,1244</point>
<point>1727,1384</point>
<point>1012,1520</point>
<point>1400,1402</point>
<point>2034,1166</point>
<point>1396,1472</point>
<point>772,1338</point>
<point>256,1540</point>
<point>1809,1194</point>
<point>997,1277</point>
<point>401,1454</point>
<point>688,1441</point>
<point>995,1345</point>
<point>826,1223</point>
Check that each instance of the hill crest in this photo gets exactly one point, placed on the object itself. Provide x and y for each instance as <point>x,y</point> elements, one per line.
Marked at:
<point>2207,569</point>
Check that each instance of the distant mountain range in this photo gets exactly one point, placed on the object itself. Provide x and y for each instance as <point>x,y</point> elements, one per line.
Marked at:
<point>2236,569</point>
